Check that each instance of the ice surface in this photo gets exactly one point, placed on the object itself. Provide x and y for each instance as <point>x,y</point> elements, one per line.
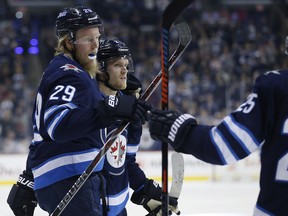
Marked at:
<point>197,199</point>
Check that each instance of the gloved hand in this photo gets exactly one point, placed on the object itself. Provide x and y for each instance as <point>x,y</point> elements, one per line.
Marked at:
<point>149,197</point>
<point>21,198</point>
<point>170,126</point>
<point>125,107</point>
<point>134,86</point>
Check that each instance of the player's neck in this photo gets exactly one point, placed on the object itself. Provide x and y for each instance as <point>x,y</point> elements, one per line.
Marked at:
<point>106,90</point>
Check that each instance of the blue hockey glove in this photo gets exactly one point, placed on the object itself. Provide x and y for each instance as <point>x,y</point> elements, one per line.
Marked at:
<point>170,126</point>
<point>125,107</point>
<point>134,86</point>
<point>21,198</point>
<point>149,197</point>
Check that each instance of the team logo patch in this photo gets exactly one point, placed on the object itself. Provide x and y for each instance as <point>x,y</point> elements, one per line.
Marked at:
<point>71,67</point>
<point>117,153</point>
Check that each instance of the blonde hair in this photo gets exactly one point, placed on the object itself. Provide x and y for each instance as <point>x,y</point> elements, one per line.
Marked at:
<point>61,46</point>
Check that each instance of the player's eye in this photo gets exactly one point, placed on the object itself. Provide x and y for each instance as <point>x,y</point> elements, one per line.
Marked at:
<point>86,40</point>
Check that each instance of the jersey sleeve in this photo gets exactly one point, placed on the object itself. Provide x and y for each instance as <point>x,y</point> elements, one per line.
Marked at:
<point>71,109</point>
<point>238,134</point>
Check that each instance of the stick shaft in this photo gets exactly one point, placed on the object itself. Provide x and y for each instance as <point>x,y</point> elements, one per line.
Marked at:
<point>170,14</point>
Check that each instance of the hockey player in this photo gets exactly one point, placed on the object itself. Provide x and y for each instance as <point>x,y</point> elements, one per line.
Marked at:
<point>120,170</point>
<point>261,122</point>
<point>69,110</point>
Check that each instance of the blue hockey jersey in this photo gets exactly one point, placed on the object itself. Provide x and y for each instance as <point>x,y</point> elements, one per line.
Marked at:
<point>259,123</point>
<point>69,132</point>
<point>120,169</point>
<point>65,120</point>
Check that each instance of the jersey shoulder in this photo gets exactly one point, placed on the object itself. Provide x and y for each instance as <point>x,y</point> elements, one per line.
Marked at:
<point>274,80</point>
<point>62,66</point>
<point>62,70</point>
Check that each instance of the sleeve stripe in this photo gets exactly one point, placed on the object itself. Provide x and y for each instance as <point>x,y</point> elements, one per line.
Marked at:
<point>224,150</point>
<point>55,108</point>
<point>55,122</point>
<point>49,112</point>
<point>132,149</point>
<point>241,134</point>
<point>118,199</point>
<point>37,138</point>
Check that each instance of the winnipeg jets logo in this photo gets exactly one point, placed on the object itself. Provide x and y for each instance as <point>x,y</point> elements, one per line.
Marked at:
<point>71,67</point>
<point>117,153</point>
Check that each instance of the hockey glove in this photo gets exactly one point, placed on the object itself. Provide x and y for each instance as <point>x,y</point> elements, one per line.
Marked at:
<point>125,107</point>
<point>134,86</point>
<point>149,197</point>
<point>21,198</point>
<point>170,126</point>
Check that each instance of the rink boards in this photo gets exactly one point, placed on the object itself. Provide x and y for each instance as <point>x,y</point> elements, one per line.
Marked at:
<point>11,165</point>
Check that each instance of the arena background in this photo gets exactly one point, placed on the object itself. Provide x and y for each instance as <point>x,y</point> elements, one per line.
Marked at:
<point>233,42</point>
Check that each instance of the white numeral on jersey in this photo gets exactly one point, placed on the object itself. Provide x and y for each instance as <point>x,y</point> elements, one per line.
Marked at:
<point>282,166</point>
<point>281,172</point>
<point>65,92</point>
<point>38,110</point>
<point>285,127</point>
<point>112,100</point>
<point>249,104</point>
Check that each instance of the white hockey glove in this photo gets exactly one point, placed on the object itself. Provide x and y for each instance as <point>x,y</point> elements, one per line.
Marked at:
<point>154,207</point>
<point>150,198</point>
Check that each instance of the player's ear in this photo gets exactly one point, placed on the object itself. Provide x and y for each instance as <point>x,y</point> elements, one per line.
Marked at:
<point>68,43</point>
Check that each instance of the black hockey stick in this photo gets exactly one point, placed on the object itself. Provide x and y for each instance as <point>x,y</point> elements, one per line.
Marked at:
<point>184,39</point>
<point>171,12</point>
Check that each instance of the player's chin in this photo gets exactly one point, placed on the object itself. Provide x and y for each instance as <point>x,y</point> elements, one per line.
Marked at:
<point>122,83</point>
<point>90,66</point>
<point>91,63</point>
<point>122,86</point>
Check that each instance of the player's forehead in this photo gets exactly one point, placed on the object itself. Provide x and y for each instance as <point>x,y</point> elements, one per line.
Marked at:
<point>118,60</point>
<point>88,31</point>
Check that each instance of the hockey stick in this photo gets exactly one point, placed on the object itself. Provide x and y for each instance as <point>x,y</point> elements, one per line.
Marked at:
<point>171,12</point>
<point>184,39</point>
<point>177,174</point>
<point>177,161</point>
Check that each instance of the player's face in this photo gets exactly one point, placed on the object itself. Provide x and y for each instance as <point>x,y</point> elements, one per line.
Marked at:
<point>117,70</point>
<point>87,42</point>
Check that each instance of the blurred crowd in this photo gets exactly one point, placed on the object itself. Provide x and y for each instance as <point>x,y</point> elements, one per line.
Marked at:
<point>231,45</point>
